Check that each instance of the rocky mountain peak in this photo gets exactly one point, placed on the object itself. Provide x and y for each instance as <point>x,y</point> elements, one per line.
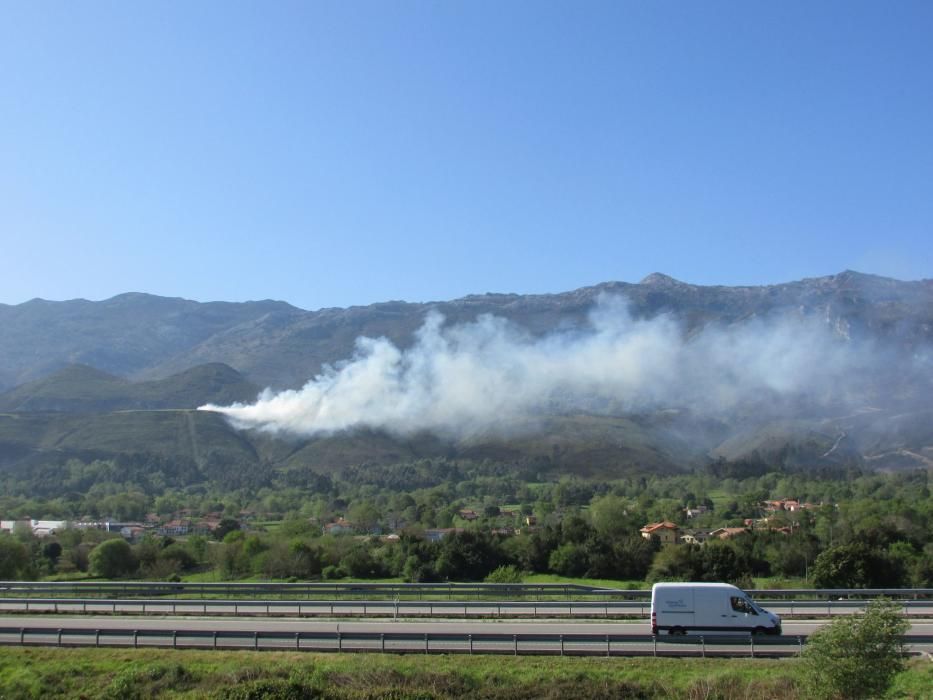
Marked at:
<point>659,279</point>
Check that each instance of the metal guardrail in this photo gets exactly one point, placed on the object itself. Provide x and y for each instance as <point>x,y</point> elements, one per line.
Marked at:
<point>409,609</point>
<point>412,642</point>
<point>426,643</point>
<point>421,591</point>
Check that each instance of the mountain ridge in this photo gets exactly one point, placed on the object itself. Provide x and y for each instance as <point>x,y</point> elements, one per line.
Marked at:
<point>135,341</point>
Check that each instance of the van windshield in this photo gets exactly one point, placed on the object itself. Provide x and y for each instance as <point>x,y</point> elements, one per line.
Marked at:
<point>743,605</point>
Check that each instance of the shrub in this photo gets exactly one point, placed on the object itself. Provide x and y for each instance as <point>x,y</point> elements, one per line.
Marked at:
<point>113,558</point>
<point>856,656</point>
<point>505,574</point>
<point>855,565</point>
<point>331,573</point>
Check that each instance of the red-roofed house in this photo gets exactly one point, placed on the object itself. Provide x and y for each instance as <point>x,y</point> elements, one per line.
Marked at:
<point>725,533</point>
<point>665,532</point>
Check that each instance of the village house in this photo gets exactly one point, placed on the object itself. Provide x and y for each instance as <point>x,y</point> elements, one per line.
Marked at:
<point>665,532</point>
<point>133,533</point>
<point>695,536</point>
<point>468,514</point>
<point>696,511</point>
<point>208,524</point>
<point>339,527</point>
<point>727,533</point>
<point>786,504</point>
<point>175,528</point>
<point>436,534</point>
<point>40,528</point>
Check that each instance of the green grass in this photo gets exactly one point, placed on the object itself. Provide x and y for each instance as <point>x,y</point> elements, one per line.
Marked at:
<point>214,576</point>
<point>598,582</point>
<point>151,673</point>
<point>720,498</point>
<point>776,582</point>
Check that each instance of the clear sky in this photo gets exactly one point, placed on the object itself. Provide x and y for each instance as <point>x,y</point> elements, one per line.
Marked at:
<point>338,153</point>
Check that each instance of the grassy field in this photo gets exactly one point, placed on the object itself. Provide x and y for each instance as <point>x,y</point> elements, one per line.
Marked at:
<point>148,673</point>
<point>598,582</point>
<point>214,576</point>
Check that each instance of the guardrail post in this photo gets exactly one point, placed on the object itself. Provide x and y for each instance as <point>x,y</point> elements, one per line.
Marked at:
<point>515,643</point>
<point>471,644</point>
<point>800,644</point>
<point>751,638</point>
<point>135,639</point>
<point>59,640</point>
<point>339,641</point>
<point>297,641</point>
<point>22,635</point>
<point>214,644</point>
<point>236,610</point>
<point>174,640</point>
<point>655,639</point>
<point>608,646</point>
<point>255,641</point>
<point>703,645</point>
<point>173,608</point>
<point>382,643</point>
<point>562,645</point>
<point>426,643</point>
<point>96,638</point>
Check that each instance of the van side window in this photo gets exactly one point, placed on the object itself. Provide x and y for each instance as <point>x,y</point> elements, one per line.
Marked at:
<point>741,605</point>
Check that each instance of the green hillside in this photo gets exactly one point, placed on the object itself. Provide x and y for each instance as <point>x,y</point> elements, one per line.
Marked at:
<point>83,389</point>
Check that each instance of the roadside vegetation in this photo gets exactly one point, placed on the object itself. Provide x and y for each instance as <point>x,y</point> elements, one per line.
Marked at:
<point>147,673</point>
<point>858,656</point>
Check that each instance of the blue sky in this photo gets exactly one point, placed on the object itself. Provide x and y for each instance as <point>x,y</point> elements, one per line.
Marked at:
<point>338,153</point>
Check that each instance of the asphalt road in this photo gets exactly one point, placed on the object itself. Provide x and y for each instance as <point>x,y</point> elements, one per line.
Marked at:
<point>433,626</point>
<point>446,636</point>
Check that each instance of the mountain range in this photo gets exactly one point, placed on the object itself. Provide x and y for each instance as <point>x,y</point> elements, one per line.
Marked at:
<point>120,377</point>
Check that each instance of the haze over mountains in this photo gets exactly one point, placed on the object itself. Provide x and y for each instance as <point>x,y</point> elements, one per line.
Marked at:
<point>608,379</point>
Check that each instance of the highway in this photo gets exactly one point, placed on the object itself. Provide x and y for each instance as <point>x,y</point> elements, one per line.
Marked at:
<point>439,636</point>
<point>445,626</point>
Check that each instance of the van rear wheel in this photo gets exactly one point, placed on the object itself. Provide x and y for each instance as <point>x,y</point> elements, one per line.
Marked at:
<point>677,630</point>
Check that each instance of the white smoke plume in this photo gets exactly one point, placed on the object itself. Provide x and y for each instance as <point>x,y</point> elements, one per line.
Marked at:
<point>487,376</point>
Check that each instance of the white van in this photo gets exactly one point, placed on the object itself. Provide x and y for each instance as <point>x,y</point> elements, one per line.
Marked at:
<point>708,608</point>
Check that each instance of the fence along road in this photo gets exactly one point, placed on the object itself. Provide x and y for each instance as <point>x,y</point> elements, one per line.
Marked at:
<point>409,609</point>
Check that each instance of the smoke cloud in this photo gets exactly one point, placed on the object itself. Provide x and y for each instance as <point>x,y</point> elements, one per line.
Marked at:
<point>488,376</point>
